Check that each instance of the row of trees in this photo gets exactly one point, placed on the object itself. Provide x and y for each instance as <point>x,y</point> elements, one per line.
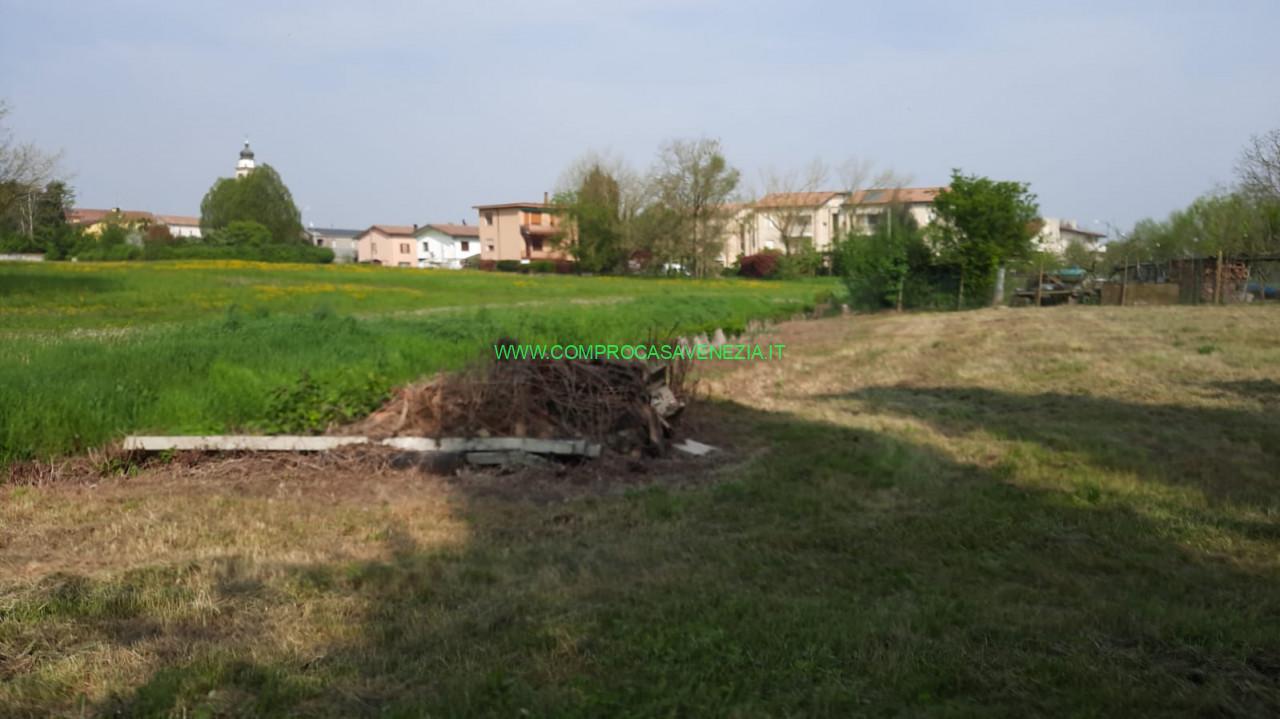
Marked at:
<point>674,215</point>
<point>1240,220</point>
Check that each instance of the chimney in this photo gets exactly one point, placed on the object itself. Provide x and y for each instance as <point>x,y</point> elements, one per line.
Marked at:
<point>415,227</point>
<point>546,199</point>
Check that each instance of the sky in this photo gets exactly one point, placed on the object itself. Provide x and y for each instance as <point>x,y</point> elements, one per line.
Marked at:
<point>413,112</point>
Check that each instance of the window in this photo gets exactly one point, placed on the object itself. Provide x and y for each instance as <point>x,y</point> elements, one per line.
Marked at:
<point>466,246</point>
<point>404,248</point>
<point>535,244</point>
<point>488,217</point>
<point>535,218</point>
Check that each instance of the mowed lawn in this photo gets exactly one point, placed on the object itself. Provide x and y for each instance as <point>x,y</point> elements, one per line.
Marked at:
<point>91,352</point>
<point>1059,512</point>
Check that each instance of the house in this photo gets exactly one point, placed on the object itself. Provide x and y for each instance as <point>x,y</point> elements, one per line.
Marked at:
<point>1056,235</point>
<point>818,219</point>
<point>520,231</point>
<point>864,210</point>
<point>181,226</point>
<point>741,235</point>
<point>388,245</point>
<point>812,217</point>
<point>443,245</point>
<point>95,221</point>
<point>342,242</point>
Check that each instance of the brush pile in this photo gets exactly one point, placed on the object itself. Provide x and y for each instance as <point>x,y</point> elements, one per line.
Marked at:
<point>628,406</point>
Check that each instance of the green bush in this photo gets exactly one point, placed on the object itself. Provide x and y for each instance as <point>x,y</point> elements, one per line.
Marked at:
<point>508,266</point>
<point>804,261</point>
<point>542,266</point>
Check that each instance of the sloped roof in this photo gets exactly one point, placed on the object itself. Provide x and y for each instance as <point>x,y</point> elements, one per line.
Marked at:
<point>901,195</point>
<point>334,232</point>
<point>178,219</point>
<point>86,216</point>
<point>392,230</point>
<point>454,230</point>
<point>797,199</point>
<point>515,205</point>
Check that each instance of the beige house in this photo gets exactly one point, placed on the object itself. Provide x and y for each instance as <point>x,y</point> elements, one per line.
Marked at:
<point>864,210</point>
<point>95,221</point>
<point>388,245</point>
<point>520,231</point>
<point>811,217</point>
<point>817,218</point>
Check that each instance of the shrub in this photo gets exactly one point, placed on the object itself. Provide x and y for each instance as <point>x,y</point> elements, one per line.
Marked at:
<point>542,266</point>
<point>508,266</point>
<point>803,262</point>
<point>763,265</point>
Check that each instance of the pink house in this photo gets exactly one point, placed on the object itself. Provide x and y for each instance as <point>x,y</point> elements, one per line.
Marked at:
<point>388,245</point>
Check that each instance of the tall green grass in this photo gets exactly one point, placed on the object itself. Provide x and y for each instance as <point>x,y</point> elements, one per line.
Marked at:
<point>140,360</point>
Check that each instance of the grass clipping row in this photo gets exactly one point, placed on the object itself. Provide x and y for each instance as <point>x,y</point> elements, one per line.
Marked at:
<point>628,406</point>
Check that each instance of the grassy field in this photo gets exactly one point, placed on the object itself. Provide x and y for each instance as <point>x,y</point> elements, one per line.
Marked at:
<point>90,352</point>
<point>1070,511</point>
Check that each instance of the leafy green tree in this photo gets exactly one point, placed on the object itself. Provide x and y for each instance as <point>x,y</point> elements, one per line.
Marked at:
<point>261,197</point>
<point>243,233</point>
<point>693,183</point>
<point>981,225</point>
<point>876,267</point>
<point>596,222</point>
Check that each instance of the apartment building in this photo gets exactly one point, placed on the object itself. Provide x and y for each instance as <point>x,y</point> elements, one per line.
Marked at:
<point>520,231</point>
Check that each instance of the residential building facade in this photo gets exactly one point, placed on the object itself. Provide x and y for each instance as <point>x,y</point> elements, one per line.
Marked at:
<point>181,226</point>
<point>520,231</point>
<point>342,242</point>
<point>1056,235</point>
<point>818,219</point>
<point>447,246</point>
<point>388,245</point>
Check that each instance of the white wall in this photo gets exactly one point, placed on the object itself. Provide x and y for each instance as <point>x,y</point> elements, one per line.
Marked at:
<point>436,249</point>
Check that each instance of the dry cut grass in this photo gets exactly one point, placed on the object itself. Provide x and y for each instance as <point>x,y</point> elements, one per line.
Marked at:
<point>1031,512</point>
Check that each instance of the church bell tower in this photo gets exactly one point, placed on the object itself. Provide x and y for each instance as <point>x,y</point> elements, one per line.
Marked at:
<point>246,164</point>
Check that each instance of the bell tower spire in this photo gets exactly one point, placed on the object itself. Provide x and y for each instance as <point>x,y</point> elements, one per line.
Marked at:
<point>246,164</point>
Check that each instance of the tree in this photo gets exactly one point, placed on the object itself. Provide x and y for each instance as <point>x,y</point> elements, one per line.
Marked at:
<point>243,233</point>
<point>790,203</point>
<point>24,170</point>
<point>877,266</point>
<point>981,225</point>
<point>692,183</point>
<point>261,196</point>
<point>1258,170</point>
<point>599,197</point>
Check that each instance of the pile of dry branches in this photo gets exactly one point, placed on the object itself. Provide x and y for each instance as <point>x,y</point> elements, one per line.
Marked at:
<point>625,405</point>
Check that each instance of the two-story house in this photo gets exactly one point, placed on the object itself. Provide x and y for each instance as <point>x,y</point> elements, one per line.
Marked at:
<point>448,246</point>
<point>388,245</point>
<point>520,231</point>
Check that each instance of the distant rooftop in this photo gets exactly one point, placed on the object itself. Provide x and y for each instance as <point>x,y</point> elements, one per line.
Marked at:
<point>333,231</point>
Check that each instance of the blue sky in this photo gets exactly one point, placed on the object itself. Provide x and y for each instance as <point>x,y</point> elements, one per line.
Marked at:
<point>402,112</point>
